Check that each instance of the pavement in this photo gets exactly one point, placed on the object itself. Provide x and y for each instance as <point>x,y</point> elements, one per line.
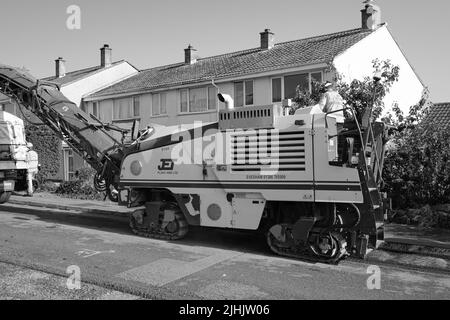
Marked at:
<point>426,248</point>
<point>207,264</point>
<point>52,201</point>
<point>19,283</point>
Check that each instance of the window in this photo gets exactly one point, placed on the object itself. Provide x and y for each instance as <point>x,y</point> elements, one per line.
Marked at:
<point>2,107</point>
<point>243,93</point>
<point>122,109</point>
<point>292,82</point>
<point>163,103</point>
<point>286,87</point>
<point>184,100</point>
<point>69,173</point>
<point>212,98</point>
<point>248,93</point>
<point>155,105</point>
<point>127,108</point>
<point>198,99</point>
<point>239,94</point>
<point>136,106</point>
<point>83,106</point>
<point>317,76</point>
<point>95,109</point>
<point>276,90</point>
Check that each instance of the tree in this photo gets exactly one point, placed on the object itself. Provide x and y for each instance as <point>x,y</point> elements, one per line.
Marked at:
<point>359,94</point>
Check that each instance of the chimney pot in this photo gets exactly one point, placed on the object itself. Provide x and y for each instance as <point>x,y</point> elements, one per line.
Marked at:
<point>267,39</point>
<point>60,66</point>
<point>189,56</point>
<point>105,56</point>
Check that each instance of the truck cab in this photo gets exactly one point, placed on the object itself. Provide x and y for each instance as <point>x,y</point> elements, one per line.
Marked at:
<point>18,163</point>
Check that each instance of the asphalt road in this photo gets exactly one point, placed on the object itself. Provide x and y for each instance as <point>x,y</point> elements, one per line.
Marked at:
<point>208,264</point>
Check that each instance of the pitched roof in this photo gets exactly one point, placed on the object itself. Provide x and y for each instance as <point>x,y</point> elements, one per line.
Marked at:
<point>77,75</point>
<point>439,114</point>
<point>314,50</point>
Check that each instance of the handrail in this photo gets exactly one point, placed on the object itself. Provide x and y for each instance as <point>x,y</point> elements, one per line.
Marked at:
<point>363,141</point>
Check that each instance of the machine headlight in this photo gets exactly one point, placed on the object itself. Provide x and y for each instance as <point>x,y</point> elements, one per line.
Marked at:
<point>136,168</point>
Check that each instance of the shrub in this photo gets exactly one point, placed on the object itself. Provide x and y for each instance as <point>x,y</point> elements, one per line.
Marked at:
<point>86,174</point>
<point>82,187</point>
<point>48,186</point>
<point>417,167</point>
<point>425,217</point>
<point>77,189</point>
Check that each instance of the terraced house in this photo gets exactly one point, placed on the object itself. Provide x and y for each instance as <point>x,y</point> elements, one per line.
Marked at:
<point>183,92</point>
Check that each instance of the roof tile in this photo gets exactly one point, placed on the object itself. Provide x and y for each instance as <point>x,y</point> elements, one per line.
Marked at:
<point>320,49</point>
<point>440,114</point>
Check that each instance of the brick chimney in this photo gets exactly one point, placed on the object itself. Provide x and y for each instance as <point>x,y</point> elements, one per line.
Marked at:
<point>371,16</point>
<point>189,55</point>
<point>106,56</point>
<point>60,65</point>
<point>267,39</point>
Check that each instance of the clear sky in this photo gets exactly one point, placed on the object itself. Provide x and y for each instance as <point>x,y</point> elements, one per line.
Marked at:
<point>150,33</point>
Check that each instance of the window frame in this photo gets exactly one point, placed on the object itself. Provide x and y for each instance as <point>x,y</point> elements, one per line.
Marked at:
<point>181,91</point>
<point>156,95</point>
<point>282,77</point>
<point>133,106</point>
<point>131,110</point>
<point>244,91</point>
<point>160,104</point>
<point>95,110</point>
<point>188,102</point>
<point>68,156</point>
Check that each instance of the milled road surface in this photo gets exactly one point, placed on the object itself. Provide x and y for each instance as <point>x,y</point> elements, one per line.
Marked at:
<point>208,264</point>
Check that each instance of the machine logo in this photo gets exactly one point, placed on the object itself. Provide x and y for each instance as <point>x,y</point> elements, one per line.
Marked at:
<point>166,165</point>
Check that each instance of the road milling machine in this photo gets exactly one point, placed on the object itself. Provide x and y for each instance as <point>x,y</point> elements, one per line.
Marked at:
<point>310,183</point>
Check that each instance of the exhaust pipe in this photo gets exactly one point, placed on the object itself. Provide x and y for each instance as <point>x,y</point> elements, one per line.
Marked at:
<point>224,98</point>
<point>227,99</point>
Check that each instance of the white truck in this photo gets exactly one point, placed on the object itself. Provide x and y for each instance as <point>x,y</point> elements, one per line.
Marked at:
<point>18,163</point>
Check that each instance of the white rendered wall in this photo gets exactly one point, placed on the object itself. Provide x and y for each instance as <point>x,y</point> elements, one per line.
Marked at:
<point>103,78</point>
<point>356,63</point>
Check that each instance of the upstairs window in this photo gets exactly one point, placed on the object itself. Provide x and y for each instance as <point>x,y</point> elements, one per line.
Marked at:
<point>198,99</point>
<point>155,105</point>
<point>159,104</point>
<point>212,98</point>
<point>136,106</point>
<point>184,100</point>
<point>163,103</point>
<point>95,109</point>
<point>124,109</point>
<point>292,82</point>
<point>276,90</point>
<point>243,93</point>
<point>286,87</point>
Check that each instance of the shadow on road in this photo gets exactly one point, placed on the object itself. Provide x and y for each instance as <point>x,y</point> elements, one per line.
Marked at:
<point>242,241</point>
